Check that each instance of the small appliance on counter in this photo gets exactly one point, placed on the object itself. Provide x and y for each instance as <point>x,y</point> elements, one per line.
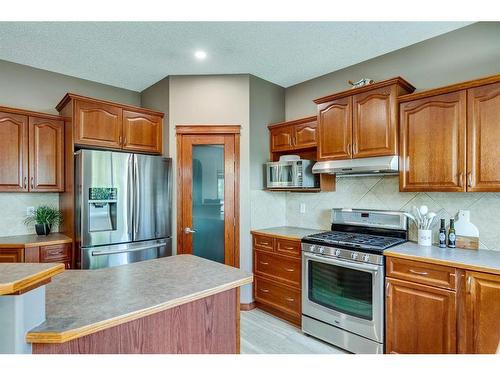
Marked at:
<point>123,208</point>
<point>343,278</point>
<point>291,172</point>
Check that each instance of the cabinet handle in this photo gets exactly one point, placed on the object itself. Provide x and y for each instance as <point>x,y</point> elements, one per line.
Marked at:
<point>461,179</point>
<point>469,283</point>
<point>349,149</point>
<point>288,248</point>
<point>264,263</point>
<point>25,182</point>
<point>387,294</point>
<point>264,290</point>
<point>469,179</point>
<point>418,272</point>
<point>125,140</point>
<point>355,148</point>
<point>290,299</point>
<point>120,140</point>
<point>264,243</point>
<point>289,269</point>
<point>32,182</point>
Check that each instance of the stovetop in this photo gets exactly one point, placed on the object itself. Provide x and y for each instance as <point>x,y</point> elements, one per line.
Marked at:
<point>352,240</point>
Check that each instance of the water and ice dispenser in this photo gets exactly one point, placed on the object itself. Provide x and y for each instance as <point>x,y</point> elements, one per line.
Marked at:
<point>102,209</point>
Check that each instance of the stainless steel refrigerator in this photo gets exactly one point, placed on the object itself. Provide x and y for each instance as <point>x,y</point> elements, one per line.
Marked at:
<point>123,207</point>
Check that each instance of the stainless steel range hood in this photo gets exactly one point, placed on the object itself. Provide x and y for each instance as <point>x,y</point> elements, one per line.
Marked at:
<point>381,165</point>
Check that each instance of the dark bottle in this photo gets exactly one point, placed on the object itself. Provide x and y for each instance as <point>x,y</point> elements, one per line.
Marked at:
<point>442,234</point>
<point>451,234</point>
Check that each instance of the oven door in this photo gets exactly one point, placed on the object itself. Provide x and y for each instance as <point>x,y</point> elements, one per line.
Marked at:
<point>345,294</point>
<point>282,175</point>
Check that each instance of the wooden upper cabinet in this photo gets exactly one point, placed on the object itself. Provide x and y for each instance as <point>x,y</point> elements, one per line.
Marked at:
<point>374,123</point>
<point>482,312</point>
<point>335,129</point>
<point>142,132</point>
<point>432,143</point>
<point>483,138</point>
<point>420,319</point>
<point>46,154</point>
<point>98,124</point>
<point>306,135</point>
<point>14,152</point>
<point>282,139</point>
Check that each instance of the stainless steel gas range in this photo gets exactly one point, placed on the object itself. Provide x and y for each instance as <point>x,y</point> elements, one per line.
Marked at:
<point>343,278</point>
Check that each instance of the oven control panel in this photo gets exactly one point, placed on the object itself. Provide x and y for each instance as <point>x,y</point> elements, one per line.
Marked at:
<point>344,254</point>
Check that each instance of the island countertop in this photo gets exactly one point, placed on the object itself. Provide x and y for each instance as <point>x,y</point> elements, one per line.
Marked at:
<point>16,277</point>
<point>81,302</point>
<point>474,260</point>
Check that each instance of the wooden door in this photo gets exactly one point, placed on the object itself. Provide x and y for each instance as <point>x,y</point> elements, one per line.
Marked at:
<point>282,138</point>
<point>305,135</point>
<point>98,124</point>
<point>11,255</point>
<point>483,138</point>
<point>432,143</point>
<point>420,319</point>
<point>208,192</point>
<point>335,129</point>
<point>374,123</point>
<point>46,154</point>
<point>142,132</point>
<point>14,152</point>
<point>482,313</point>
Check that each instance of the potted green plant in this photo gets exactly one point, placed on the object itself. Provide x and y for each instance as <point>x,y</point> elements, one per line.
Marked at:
<point>44,217</point>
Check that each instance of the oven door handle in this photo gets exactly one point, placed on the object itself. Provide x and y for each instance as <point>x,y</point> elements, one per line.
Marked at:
<point>358,266</point>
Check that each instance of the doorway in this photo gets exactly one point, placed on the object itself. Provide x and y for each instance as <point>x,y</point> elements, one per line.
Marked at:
<point>208,192</point>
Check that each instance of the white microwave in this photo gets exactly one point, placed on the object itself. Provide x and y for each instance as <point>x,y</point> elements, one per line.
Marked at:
<point>291,174</point>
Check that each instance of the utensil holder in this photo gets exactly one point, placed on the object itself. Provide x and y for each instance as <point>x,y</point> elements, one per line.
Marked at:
<point>425,237</point>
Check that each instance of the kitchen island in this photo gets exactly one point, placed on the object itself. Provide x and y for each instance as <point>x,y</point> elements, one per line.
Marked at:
<point>179,304</point>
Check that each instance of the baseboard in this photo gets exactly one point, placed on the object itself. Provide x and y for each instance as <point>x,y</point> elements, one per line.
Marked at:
<point>247,306</point>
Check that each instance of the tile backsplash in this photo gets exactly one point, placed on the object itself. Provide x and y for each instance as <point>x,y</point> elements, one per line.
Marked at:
<point>13,210</point>
<point>378,193</point>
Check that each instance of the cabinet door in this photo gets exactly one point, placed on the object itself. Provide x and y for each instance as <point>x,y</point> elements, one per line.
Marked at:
<point>482,311</point>
<point>14,152</point>
<point>483,137</point>
<point>305,135</point>
<point>282,138</point>
<point>11,255</point>
<point>142,132</point>
<point>374,124</point>
<point>335,129</point>
<point>419,319</point>
<point>98,124</point>
<point>432,143</point>
<point>46,154</point>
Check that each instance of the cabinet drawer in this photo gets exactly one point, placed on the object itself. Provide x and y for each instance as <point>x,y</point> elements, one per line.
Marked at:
<point>286,270</point>
<point>423,273</point>
<point>263,242</point>
<point>287,247</point>
<point>277,296</point>
<point>55,253</point>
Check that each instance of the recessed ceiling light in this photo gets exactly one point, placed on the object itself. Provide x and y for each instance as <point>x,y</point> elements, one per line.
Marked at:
<point>200,55</point>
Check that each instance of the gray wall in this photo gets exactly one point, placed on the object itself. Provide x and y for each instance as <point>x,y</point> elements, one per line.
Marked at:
<point>267,105</point>
<point>39,90</point>
<point>157,97</point>
<point>467,53</point>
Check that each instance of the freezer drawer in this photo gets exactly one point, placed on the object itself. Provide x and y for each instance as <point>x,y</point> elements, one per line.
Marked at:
<point>117,255</point>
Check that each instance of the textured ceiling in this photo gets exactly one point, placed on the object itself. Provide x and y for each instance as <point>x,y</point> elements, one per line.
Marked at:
<point>134,55</point>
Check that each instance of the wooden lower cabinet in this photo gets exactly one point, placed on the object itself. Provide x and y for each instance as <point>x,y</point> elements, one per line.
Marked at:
<point>277,271</point>
<point>11,255</point>
<point>419,319</point>
<point>57,253</point>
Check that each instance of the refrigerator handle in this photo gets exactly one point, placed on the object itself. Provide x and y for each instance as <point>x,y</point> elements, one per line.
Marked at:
<point>136,194</point>
<point>130,202</point>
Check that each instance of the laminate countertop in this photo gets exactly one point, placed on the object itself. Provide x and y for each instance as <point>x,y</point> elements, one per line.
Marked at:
<point>294,233</point>
<point>81,302</point>
<point>474,260</point>
<point>33,240</point>
<point>16,277</point>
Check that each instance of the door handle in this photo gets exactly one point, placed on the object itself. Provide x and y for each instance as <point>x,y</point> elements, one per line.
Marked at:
<point>188,230</point>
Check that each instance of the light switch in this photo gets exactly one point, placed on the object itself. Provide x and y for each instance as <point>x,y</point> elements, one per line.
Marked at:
<point>302,208</point>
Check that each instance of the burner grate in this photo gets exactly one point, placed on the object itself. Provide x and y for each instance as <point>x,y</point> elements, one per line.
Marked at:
<point>356,239</point>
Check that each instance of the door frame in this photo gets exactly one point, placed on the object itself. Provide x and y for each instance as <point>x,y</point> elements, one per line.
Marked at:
<point>208,130</point>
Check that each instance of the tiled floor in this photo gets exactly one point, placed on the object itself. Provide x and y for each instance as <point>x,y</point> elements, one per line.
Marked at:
<point>262,333</point>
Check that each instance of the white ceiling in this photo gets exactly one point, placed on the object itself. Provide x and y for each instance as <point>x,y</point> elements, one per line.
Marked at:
<point>134,55</point>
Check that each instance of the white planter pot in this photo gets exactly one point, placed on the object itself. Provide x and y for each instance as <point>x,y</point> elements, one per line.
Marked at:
<point>425,237</point>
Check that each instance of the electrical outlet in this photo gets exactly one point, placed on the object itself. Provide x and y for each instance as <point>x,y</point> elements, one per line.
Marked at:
<point>30,211</point>
<point>302,208</point>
